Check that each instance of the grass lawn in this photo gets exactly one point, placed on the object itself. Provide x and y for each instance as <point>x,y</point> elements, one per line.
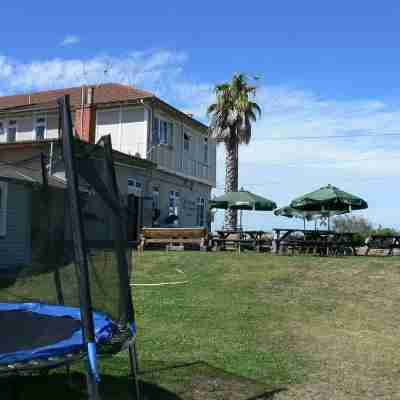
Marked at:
<point>319,328</point>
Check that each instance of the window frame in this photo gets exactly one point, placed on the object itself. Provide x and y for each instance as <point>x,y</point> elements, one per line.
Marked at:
<point>3,130</point>
<point>3,207</point>
<point>201,211</point>
<point>37,124</point>
<point>14,124</point>
<point>186,139</point>
<point>136,188</point>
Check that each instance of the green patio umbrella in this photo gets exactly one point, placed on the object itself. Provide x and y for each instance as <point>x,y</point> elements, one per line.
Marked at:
<point>242,200</point>
<point>329,199</point>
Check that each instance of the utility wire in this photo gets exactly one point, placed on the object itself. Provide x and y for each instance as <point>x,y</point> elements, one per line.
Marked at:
<point>284,138</point>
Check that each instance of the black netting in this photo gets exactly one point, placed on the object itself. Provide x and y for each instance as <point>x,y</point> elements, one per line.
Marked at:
<point>52,274</point>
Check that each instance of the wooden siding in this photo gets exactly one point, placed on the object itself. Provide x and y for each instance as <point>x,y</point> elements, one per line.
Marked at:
<point>15,246</point>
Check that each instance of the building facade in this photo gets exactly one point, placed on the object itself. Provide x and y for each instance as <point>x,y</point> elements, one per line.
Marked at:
<point>176,191</point>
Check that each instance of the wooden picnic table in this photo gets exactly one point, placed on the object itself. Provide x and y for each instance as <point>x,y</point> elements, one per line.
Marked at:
<point>238,238</point>
<point>324,242</point>
<point>383,241</point>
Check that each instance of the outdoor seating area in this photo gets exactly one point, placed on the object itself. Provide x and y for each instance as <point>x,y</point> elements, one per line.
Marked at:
<point>317,242</point>
<point>240,239</point>
<point>320,205</point>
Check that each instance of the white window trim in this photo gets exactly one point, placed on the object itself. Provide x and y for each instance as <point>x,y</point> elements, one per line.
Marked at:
<point>3,122</point>
<point>3,208</point>
<point>7,125</point>
<point>36,125</point>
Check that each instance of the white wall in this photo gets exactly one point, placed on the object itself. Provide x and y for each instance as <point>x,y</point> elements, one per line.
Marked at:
<point>127,127</point>
<point>172,157</point>
<point>26,126</point>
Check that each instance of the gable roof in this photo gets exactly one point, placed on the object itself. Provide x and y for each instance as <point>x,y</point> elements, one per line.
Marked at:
<point>103,94</point>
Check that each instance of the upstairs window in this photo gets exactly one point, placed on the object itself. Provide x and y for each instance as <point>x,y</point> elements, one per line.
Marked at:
<point>156,131</point>
<point>186,142</point>
<point>163,132</point>
<point>12,131</point>
<point>206,150</point>
<point>40,127</point>
<point>3,208</point>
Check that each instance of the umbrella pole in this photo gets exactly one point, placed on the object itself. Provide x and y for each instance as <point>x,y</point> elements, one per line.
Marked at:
<point>329,223</point>
<point>304,223</point>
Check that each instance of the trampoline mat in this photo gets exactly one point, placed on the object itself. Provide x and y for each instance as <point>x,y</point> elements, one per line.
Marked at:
<point>25,330</point>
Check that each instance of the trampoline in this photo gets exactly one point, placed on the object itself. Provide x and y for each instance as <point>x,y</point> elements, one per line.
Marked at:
<point>42,332</point>
<point>72,300</point>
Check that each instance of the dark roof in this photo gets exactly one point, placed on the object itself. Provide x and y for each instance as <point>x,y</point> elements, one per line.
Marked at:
<point>106,93</point>
<point>103,94</point>
<point>27,173</point>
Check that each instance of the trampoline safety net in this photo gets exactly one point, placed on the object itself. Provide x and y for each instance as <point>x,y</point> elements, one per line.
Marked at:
<point>40,301</point>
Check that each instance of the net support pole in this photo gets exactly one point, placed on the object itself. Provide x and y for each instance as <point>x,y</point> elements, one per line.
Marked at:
<point>80,251</point>
<point>120,242</point>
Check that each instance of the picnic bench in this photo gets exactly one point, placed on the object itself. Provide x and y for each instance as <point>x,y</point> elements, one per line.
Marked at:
<point>171,237</point>
<point>322,242</point>
<point>238,239</point>
<point>383,242</point>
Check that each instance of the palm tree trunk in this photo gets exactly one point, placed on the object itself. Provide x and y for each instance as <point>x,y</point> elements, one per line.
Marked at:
<point>231,181</point>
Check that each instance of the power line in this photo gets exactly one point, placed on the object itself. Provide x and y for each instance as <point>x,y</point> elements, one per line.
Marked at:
<point>332,136</point>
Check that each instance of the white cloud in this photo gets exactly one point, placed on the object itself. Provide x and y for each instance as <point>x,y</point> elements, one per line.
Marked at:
<point>70,40</point>
<point>271,165</point>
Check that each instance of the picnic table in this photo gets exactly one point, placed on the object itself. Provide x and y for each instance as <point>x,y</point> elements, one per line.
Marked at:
<point>322,242</point>
<point>238,238</point>
<point>383,241</point>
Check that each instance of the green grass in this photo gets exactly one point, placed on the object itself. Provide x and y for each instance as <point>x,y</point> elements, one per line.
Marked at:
<point>244,324</point>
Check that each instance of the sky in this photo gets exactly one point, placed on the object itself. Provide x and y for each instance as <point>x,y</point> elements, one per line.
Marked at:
<point>329,80</point>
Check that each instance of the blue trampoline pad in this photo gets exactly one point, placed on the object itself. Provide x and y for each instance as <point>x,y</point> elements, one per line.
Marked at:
<point>30,331</point>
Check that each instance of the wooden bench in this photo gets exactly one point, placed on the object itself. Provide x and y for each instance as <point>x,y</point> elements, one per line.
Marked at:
<point>174,237</point>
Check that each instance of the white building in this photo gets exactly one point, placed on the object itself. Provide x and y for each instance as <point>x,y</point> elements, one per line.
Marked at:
<point>141,125</point>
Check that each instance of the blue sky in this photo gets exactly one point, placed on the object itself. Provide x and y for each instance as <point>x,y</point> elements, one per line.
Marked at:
<point>326,69</point>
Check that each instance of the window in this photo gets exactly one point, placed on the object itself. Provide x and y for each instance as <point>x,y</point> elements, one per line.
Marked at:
<point>3,208</point>
<point>186,142</point>
<point>135,187</point>
<point>200,214</point>
<point>2,131</point>
<point>12,131</point>
<point>156,131</point>
<point>40,127</point>
<point>156,206</point>
<point>156,198</point>
<point>163,132</point>
<point>171,133</point>
<point>174,201</point>
<point>206,150</point>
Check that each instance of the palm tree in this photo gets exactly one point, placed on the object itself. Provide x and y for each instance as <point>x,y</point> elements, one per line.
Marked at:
<point>231,117</point>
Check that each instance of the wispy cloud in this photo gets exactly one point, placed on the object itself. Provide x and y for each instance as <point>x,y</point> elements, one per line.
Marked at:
<point>70,40</point>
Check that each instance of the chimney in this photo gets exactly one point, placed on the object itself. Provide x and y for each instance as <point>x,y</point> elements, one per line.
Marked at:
<point>85,116</point>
